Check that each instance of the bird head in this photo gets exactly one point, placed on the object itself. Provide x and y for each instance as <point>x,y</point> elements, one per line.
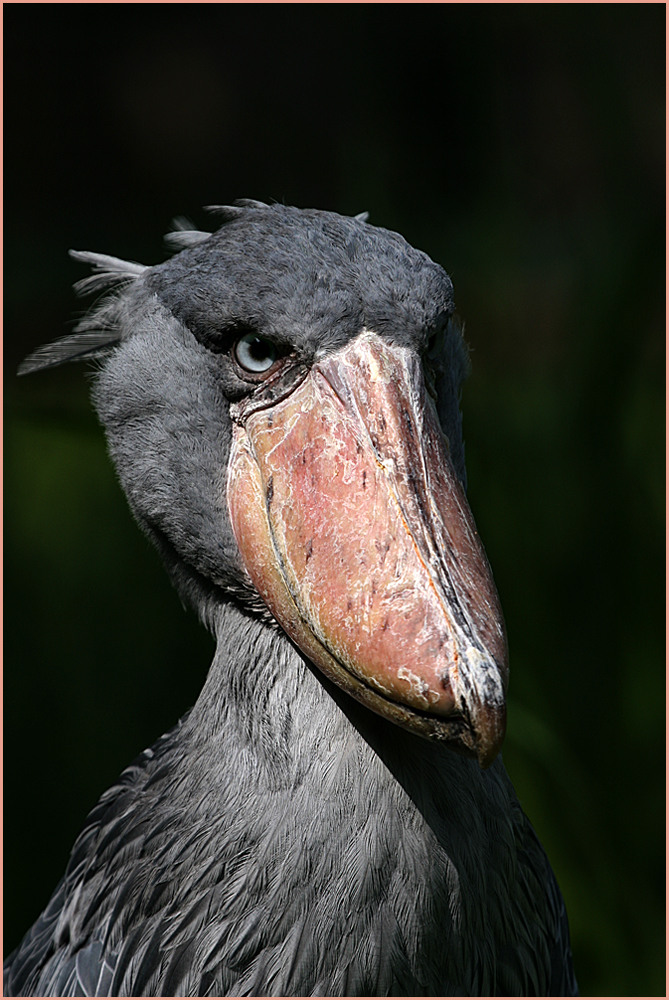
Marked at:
<point>281,401</point>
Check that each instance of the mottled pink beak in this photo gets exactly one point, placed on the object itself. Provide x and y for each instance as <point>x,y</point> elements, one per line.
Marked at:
<point>354,528</point>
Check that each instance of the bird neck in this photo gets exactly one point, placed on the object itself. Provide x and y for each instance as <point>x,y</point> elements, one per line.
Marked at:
<point>285,725</point>
<point>262,699</point>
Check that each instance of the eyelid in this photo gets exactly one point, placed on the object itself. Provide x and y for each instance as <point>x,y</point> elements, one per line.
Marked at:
<point>221,340</point>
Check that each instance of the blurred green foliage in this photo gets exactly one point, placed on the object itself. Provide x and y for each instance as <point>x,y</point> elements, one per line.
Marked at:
<point>522,146</point>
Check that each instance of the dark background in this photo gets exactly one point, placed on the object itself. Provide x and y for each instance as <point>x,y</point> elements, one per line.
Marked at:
<point>522,146</point>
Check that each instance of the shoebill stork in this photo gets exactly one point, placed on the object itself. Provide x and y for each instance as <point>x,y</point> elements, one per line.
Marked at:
<point>332,818</point>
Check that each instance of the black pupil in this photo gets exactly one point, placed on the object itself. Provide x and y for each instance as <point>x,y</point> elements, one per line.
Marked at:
<point>259,349</point>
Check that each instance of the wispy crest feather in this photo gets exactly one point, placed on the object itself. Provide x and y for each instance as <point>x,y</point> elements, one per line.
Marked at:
<point>184,235</point>
<point>99,329</point>
<point>107,271</point>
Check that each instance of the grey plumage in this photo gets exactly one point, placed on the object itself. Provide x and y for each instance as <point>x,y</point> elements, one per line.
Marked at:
<point>282,840</point>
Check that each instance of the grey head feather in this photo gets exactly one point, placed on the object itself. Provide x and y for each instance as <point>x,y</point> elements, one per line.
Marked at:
<point>181,239</point>
<point>75,347</point>
<point>107,271</point>
<point>181,224</point>
<point>226,212</point>
<point>230,212</point>
<point>250,203</point>
<point>99,329</point>
<point>184,234</point>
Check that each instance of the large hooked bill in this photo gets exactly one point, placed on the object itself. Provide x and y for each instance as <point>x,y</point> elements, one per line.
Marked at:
<point>355,530</point>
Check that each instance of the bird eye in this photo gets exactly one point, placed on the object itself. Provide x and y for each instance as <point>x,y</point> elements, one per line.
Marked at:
<point>255,354</point>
